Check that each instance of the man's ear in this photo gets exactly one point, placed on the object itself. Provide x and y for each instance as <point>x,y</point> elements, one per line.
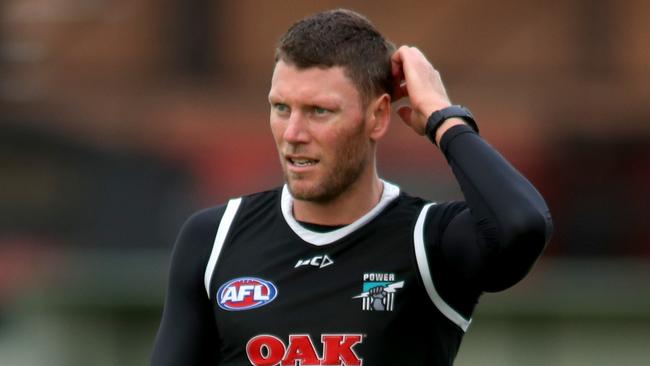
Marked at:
<point>378,116</point>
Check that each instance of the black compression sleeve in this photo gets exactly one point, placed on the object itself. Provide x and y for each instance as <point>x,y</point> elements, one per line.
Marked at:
<point>187,334</point>
<point>493,243</point>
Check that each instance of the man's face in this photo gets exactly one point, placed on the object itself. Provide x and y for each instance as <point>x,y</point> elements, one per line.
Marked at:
<point>318,123</point>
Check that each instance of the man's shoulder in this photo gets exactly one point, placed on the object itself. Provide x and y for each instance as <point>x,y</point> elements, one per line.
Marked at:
<point>444,210</point>
<point>206,217</point>
<point>269,194</point>
<point>453,207</point>
<point>407,199</point>
<point>204,220</point>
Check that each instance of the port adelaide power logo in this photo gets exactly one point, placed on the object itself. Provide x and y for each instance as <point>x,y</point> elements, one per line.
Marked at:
<point>378,293</point>
<point>246,293</point>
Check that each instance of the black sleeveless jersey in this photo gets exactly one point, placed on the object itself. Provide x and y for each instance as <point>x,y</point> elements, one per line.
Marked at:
<point>358,295</point>
<point>249,285</point>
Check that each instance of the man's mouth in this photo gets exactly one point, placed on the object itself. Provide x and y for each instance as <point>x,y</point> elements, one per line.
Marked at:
<point>302,162</point>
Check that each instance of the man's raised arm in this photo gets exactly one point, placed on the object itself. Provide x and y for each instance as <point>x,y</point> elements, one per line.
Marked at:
<point>494,242</point>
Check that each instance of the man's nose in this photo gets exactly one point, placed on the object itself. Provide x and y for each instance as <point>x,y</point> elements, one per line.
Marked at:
<point>297,130</point>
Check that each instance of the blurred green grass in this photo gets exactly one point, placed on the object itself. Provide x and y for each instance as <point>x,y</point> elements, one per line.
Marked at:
<point>103,307</point>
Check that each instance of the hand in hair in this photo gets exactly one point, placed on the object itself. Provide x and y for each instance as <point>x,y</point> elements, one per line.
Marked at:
<point>416,78</point>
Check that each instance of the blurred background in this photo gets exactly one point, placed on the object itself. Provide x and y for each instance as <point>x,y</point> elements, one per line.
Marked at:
<point>119,118</point>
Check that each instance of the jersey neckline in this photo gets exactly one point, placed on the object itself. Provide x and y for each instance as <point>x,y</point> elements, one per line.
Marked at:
<point>389,193</point>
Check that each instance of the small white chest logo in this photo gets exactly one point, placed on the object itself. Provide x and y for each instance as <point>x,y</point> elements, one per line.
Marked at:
<point>319,261</point>
<point>378,292</point>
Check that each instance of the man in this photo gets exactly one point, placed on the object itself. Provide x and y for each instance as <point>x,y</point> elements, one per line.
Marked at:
<point>339,267</point>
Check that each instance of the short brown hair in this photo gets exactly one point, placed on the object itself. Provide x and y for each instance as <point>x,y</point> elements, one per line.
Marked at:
<point>344,38</point>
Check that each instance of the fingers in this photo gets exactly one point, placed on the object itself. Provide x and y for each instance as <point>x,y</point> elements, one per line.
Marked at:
<point>403,64</point>
<point>396,66</point>
<point>399,84</point>
<point>411,118</point>
<point>402,67</point>
<point>396,61</point>
<point>414,76</point>
<point>404,113</point>
<point>400,91</point>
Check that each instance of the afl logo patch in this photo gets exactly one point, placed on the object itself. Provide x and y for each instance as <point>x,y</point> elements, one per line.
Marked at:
<point>246,293</point>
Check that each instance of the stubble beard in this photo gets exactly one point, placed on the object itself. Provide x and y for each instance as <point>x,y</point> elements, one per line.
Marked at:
<point>349,165</point>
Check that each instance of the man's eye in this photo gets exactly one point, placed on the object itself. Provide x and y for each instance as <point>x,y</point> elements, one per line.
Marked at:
<point>320,111</point>
<point>281,107</point>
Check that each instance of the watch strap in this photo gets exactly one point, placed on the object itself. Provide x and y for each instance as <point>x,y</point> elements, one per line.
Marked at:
<point>438,117</point>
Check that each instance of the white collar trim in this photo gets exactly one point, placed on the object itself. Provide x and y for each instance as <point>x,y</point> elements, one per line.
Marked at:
<point>390,192</point>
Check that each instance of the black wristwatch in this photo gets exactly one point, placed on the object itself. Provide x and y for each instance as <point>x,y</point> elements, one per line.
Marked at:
<point>439,116</point>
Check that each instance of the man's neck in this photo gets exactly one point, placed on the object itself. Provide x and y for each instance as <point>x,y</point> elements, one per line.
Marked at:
<point>355,202</point>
